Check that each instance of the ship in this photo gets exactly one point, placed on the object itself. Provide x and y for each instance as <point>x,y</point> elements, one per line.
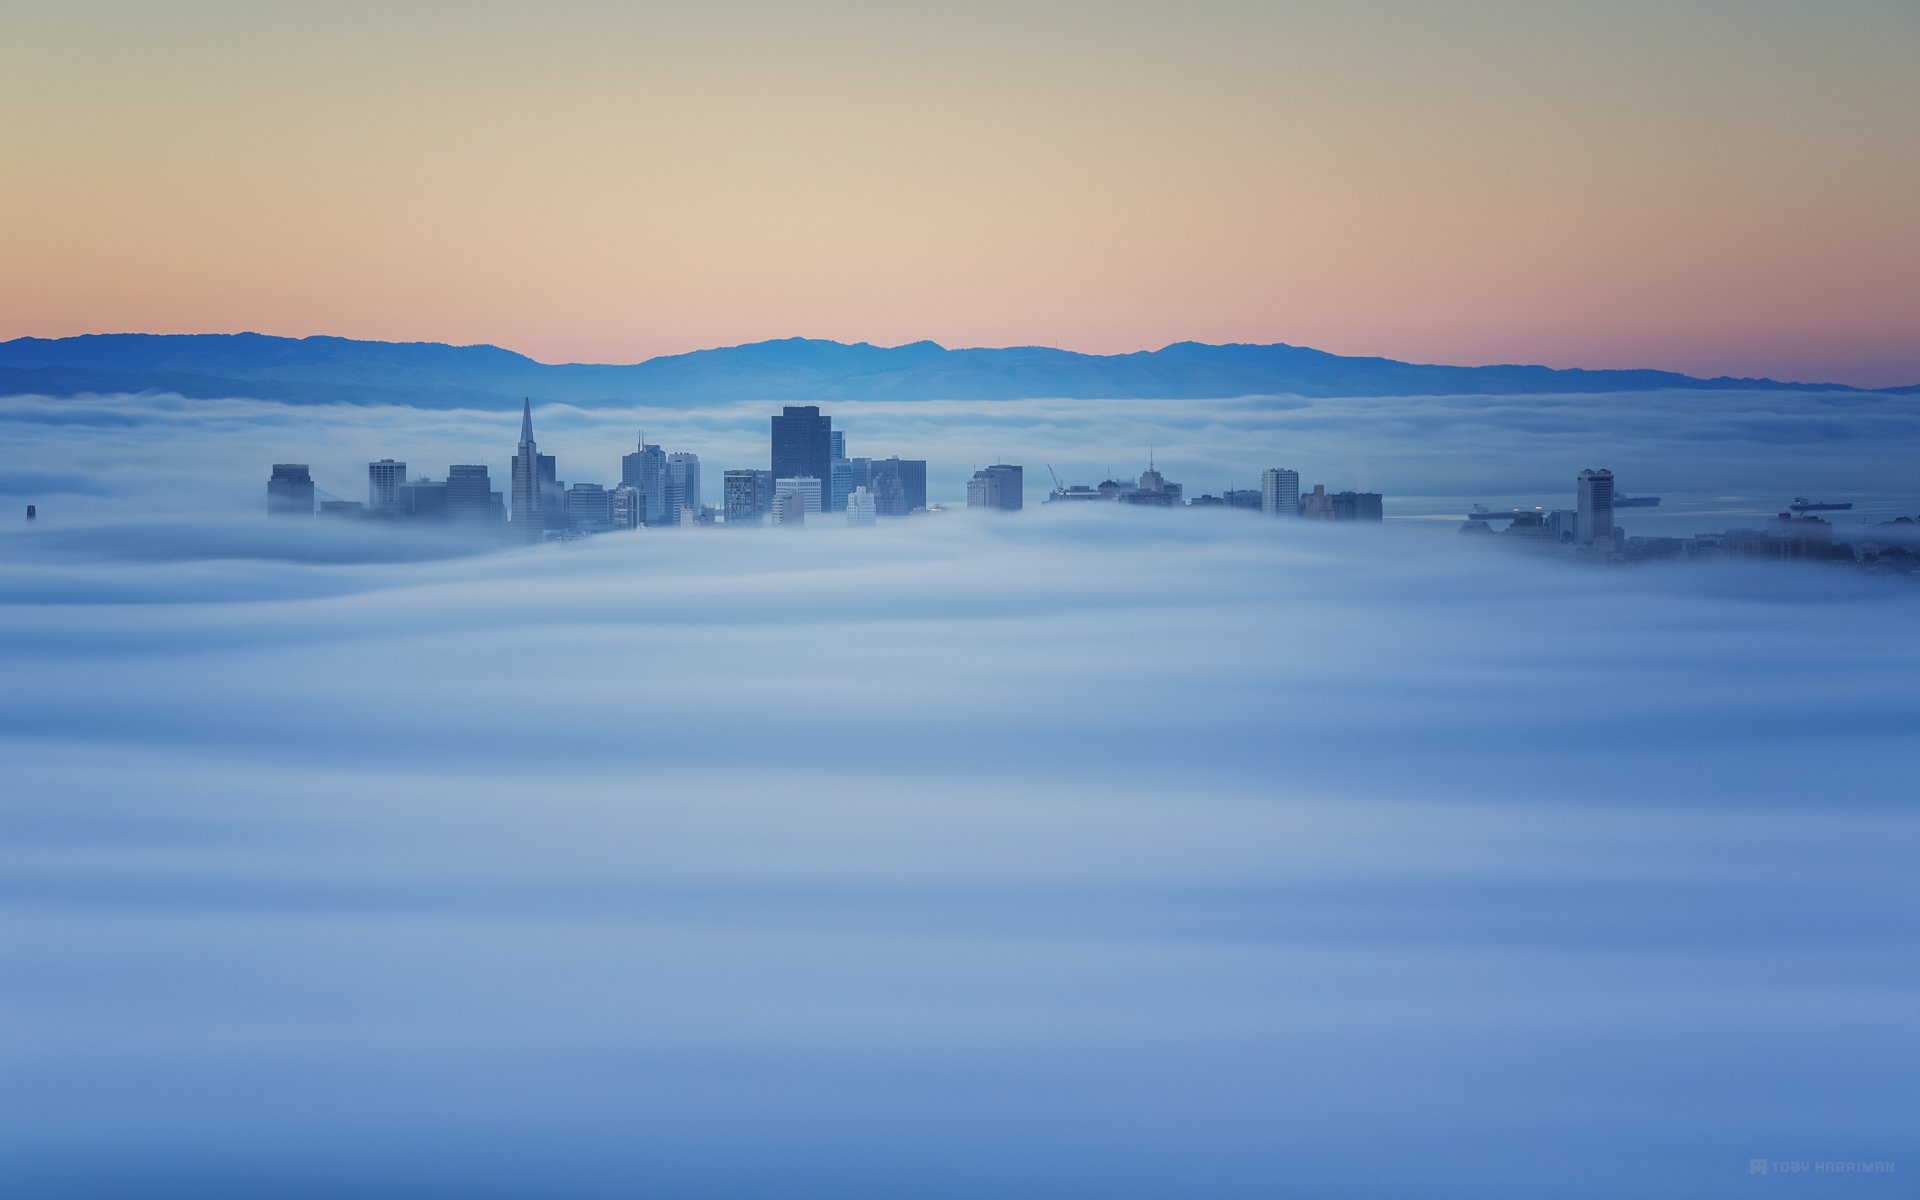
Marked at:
<point>1636,501</point>
<point>1803,505</point>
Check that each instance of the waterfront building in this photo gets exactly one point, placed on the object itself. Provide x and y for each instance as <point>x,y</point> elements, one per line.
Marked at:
<point>290,491</point>
<point>1595,508</point>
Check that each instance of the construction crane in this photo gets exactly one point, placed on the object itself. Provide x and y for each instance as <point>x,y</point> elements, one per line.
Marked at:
<point>1057,485</point>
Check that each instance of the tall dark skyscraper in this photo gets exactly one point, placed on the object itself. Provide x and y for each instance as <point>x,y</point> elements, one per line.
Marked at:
<point>907,492</point>
<point>527,523</point>
<point>803,444</point>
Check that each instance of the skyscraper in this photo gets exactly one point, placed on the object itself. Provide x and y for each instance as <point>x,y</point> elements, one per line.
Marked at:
<point>998,487</point>
<point>1595,508</point>
<point>470,495</point>
<point>628,507</point>
<point>802,444</point>
<point>789,507</point>
<point>383,485</point>
<point>860,507</point>
<point>911,475</point>
<point>1280,492</point>
<point>748,496</point>
<point>646,469</point>
<point>528,523</point>
<point>290,491</point>
<point>683,485</point>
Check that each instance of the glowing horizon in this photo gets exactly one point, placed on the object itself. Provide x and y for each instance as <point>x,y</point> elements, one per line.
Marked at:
<point>1719,188</point>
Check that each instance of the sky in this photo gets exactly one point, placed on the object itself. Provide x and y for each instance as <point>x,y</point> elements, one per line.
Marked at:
<point>1094,852</point>
<point>1713,186</point>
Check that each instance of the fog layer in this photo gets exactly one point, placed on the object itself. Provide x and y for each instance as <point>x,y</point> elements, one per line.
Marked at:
<point>1101,852</point>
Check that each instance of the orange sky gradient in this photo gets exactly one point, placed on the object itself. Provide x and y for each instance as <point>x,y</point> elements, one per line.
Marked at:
<point>1718,187</point>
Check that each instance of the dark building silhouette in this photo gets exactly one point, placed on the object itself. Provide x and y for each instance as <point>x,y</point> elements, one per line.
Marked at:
<point>289,491</point>
<point>1001,486</point>
<point>470,495</point>
<point>1356,506</point>
<point>906,492</point>
<point>528,494</point>
<point>802,444</point>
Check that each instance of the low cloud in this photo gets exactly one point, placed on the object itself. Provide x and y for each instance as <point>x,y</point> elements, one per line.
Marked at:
<point>1134,852</point>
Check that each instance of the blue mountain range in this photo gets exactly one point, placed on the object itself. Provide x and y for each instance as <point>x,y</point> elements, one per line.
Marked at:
<point>432,375</point>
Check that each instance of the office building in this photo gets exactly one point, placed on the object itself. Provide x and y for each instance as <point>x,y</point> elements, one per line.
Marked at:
<point>1594,508</point>
<point>860,507</point>
<point>470,495</point>
<point>423,500</point>
<point>789,507</point>
<point>1255,500</point>
<point>646,469</point>
<point>589,508</point>
<point>802,444</point>
<point>683,487</point>
<point>628,506</point>
<point>747,498</point>
<point>998,487</point>
<point>840,485</point>
<point>1280,492</point>
<point>807,489</point>
<point>383,485</point>
<point>528,522</point>
<point>1355,506</point>
<point>290,491</point>
<point>1317,505</point>
<point>908,490</point>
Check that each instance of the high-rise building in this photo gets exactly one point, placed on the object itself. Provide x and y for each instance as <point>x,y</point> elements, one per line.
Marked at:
<point>840,485</point>
<point>383,485</point>
<point>860,507</point>
<point>748,496</point>
<point>999,487</point>
<point>683,486</point>
<point>423,499</point>
<point>836,443</point>
<point>911,476</point>
<point>629,507</point>
<point>589,508</point>
<point>1355,506</point>
<point>646,469</point>
<point>802,444</point>
<point>1280,492</point>
<point>470,495</point>
<point>808,489</point>
<point>528,522</point>
<point>290,491</point>
<point>1595,508</point>
<point>1317,505</point>
<point>789,507</point>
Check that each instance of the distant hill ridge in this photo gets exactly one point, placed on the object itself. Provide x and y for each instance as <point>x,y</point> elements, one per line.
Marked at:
<point>315,370</point>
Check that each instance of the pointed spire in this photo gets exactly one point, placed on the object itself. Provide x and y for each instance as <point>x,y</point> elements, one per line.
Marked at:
<point>526,419</point>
